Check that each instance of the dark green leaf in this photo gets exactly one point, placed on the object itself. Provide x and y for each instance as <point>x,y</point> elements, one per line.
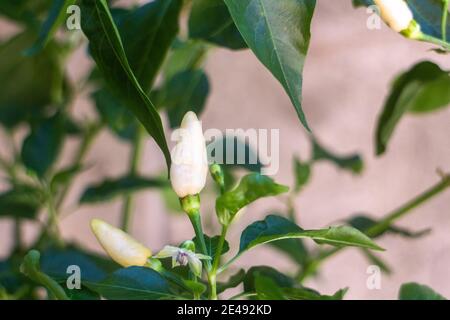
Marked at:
<point>211,245</point>
<point>56,17</point>
<point>24,11</point>
<point>293,248</point>
<point>364,223</point>
<point>210,20</point>
<point>55,262</point>
<point>279,278</point>
<point>302,173</point>
<point>274,228</point>
<point>63,177</point>
<point>41,148</point>
<point>183,56</point>
<point>425,87</point>
<point>415,291</point>
<point>119,119</point>
<point>310,294</point>
<point>232,152</point>
<point>278,32</point>
<point>31,268</point>
<point>107,50</point>
<point>185,91</point>
<point>30,85</point>
<point>267,289</point>
<point>353,162</point>
<point>232,282</point>
<point>251,188</point>
<point>133,283</point>
<point>147,34</point>
<point>22,201</point>
<point>109,189</point>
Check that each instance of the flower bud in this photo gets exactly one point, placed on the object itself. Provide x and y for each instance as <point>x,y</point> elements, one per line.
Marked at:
<point>396,13</point>
<point>120,246</point>
<point>189,159</point>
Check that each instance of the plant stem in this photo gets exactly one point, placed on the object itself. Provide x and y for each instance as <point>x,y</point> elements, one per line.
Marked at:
<point>444,19</point>
<point>382,225</point>
<point>426,38</point>
<point>197,225</point>
<point>127,208</point>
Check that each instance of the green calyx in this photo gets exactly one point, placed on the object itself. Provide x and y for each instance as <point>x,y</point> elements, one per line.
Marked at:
<point>191,204</point>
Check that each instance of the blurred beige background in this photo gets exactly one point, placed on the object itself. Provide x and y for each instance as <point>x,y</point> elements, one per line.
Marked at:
<point>346,78</point>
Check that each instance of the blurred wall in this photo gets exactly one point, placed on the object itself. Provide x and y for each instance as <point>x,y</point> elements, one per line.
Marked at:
<point>346,78</point>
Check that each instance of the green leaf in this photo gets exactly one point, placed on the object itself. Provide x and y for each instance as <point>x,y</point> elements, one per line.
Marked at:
<point>42,146</point>
<point>63,176</point>
<point>31,268</point>
<point>56,17</point>
<point>22,201</point>
<point>147,34</point>
<point>30,85</point>
<point>55,262</point>
<point>310,294</point>
<point>196,287</point>
<point>279,278</point>
<point>211,245</point>
<point>278,32</point>
<point>109,189</point>
<point>364,223</point>
<point>251,188</point>
<point>119,119</point>
<point>415,291</point>
<point>352,163</point>
<point>374,259</point>
<point>24,11</point>
<point>232,282</point>
<point>133,283</point>
<point>274,228</point>
<point>423,88</point>
<point>302,172</point>
<point>184,56</point>
<point>232,152</point>
<point>185,91</point>
<point>107,50</point>
<point>294,249</point>
<point>267,289</point>
<point>210,20</point>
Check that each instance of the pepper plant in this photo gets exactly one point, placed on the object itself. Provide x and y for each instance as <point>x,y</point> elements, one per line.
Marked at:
<point>145,63</point>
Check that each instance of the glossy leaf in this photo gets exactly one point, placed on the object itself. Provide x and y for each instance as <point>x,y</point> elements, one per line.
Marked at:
<point>274,228</point>
<point>41,79</point>
<point>56,17</point>
<point>148,32</point>
<point>251,188</point>
<point>210,20</point>
<point>107,50</point>
<point>31,268</point>
<point>109,189</point>
<point>42,146</point>
<point>133,283</point>
<point>278,32</point>
<point>352,163</point>
<point>22,201</point>
<point>415,291</point>
<point>423,88</point>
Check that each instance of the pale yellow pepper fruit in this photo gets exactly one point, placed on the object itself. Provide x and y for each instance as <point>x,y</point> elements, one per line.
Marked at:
<point>119,245</point>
